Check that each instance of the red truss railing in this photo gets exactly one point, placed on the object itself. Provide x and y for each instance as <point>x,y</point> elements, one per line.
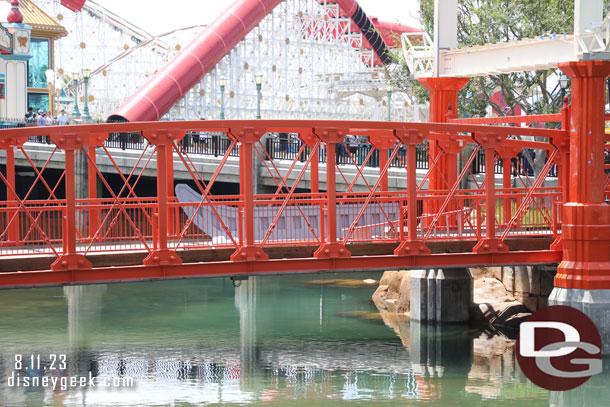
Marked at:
<point>90,223</point>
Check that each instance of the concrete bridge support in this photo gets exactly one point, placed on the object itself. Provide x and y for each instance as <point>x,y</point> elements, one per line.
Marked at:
<point>441,295</point>
<point>583,277</point>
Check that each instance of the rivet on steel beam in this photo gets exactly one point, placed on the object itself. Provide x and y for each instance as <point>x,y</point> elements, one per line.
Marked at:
<point>326,251</point>
<point>156,259</point>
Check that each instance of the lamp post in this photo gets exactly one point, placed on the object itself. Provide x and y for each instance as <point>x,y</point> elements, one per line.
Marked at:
<point>86,74</point>
<point>222,81</point>
<point>564,83</point>
<point>388,88</point>
<point>75,112</point>
<point>258,78</point>
<point>50,74</point>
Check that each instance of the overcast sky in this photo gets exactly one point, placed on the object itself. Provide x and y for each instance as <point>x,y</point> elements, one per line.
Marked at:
<point>158,16</point>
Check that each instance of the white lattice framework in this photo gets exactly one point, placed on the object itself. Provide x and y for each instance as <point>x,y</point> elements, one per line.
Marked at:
<point>313,65</point>
<point>543,52</point>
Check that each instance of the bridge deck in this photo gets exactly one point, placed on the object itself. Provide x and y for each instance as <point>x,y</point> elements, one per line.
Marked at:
<point>75,236</point>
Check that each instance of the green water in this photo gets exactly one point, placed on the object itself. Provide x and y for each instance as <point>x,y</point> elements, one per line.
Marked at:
<point>273,341</point>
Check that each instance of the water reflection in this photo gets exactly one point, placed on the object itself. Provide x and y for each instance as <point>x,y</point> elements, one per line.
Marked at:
<point>206,342</point>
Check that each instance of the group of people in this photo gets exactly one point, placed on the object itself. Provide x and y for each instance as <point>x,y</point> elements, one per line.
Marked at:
<point>42,118</point>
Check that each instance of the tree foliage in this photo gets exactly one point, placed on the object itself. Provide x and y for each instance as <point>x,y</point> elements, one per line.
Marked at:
<point>491,21</point>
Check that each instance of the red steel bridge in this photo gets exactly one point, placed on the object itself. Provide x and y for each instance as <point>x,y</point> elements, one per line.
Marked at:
<point>76,237</point>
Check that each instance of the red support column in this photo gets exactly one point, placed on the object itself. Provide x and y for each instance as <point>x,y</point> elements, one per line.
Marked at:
<point>331,248</point>
<point>443,95</point>
<point>507,154</point>
<point>311,140</point>
<point>247,137</point>
<point>506,184</point>
<point>13,231</point>
<point>490,243</point>
<point>412,245</point>
<point>162,256</point>
<point>383,143</point>
<point>70,260</point>
<point>563,169</point>
<point>564,152</point>
<point>586,217</point>
<point>171,221</point>
<point>94,214</point>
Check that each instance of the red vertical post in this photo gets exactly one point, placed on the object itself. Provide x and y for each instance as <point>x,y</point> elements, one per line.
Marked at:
<point>69,234</point>
<point>586,217</point>
<point>383,161</point>
<point>311,141</point>
<point>94,214</point>
<point>564,153</point>
<point>383,143</point>
<point>563,170</point>
<point>13,231</point>
<point>171,215</point>
<point>507,153</point>
<point>331,248</point>
<point>443,95</point>
<point>163,140</point>
<point>247,137</point>
<point>162,188</point>
<point>506,184</point>
<point>247,173</point>
<point>70,260</point>
<point>315,171</point>
<point>331,192</point>
<point>490,192</point>
<point>412,245</point>
<point>489,243</point>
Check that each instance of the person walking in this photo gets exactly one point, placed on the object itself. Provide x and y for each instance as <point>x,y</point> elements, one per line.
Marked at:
<point>49,119</point>
<point>30,116</point>
<point>62,119</point>
<point>352,145</point>
<point>40,119</point>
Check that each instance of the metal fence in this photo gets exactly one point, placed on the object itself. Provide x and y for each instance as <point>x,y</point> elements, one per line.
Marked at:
<point>216,144</point>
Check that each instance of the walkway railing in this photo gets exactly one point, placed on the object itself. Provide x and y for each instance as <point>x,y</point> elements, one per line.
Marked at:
<point>74,222</point>
<point>216,144</point>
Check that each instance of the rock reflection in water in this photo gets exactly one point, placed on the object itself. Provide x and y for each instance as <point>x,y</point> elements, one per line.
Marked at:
<point>449,359</point>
